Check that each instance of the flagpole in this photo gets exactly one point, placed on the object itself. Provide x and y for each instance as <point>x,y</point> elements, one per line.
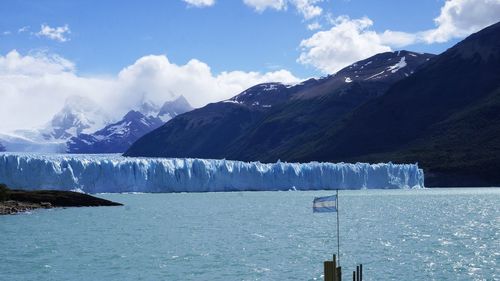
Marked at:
<point>338,236</point>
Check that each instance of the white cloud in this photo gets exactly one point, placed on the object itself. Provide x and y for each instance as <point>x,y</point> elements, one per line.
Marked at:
<point>459,18</point>
<point>346,42</point>
<point>314,26</point>
<point>307,8</point>
<point>7,32</point>
<point>262,5</point>
<point>33,87</point>
<point>55,33</point>
<point>397,38</point>
<point>350,40</point>
<point>23,29</point>
<point>200,3</point>
<point>36,64</point>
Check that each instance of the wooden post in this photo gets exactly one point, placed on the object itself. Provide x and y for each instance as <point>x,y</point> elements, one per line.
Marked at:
<point>357,272</point>
<point>353,275</point>
<point>360,272</point>
<point>339,273</point>
<point>328,270</point>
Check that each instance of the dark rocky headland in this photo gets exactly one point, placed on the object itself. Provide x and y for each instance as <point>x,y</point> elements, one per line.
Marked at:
<point>14,201</point>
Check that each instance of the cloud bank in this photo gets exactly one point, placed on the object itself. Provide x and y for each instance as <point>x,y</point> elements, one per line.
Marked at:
<point>459,18</point>
<point>350,40</point>
<point>34,87</point>
<point>347,41</point>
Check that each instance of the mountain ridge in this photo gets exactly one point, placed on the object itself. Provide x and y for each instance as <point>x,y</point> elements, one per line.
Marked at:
<point>257,118</point>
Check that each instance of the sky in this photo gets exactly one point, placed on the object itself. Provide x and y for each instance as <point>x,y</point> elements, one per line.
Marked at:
<point>121,53</point>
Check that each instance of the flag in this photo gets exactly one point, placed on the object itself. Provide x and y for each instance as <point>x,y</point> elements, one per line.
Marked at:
<point>325,204</point>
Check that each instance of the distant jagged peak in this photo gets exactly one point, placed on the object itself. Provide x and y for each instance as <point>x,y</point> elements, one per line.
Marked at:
<point>172,108</point>
<point>78,115</point>
<point>147,107</point>
<point>132,114</point>
<point>179,101</point>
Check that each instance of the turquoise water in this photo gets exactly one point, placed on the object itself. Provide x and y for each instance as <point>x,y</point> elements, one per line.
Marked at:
<point>432,234</point>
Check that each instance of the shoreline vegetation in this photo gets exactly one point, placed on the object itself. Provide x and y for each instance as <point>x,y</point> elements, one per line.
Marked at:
<point>13,201</point>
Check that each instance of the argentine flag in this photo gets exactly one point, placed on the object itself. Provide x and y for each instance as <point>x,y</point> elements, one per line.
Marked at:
<point>325,204</point>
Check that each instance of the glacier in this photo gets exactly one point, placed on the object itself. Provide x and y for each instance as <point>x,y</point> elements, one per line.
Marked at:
<point>110,173</point>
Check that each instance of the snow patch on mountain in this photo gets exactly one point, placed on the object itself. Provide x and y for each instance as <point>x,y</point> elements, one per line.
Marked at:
<point>375,75</point>
<point>394,68</point>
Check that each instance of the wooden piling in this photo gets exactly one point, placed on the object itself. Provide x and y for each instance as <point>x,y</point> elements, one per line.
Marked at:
<point>332,272</point>
<point>353,275</point>
<point>360,272</point>
<point>329,270</point>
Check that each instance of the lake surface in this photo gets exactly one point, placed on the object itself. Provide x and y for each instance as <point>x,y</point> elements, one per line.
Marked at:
<point>430,234</point>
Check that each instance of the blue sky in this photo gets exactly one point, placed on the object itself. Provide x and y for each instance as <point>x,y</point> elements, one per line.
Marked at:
<point>120,54</point>
<point>230,35</point>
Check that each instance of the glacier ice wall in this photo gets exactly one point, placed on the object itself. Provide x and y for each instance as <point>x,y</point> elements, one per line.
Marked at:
<point>114,173</point>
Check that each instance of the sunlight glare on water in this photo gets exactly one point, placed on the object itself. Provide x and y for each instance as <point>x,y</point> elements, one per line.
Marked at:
<point>430,234</point>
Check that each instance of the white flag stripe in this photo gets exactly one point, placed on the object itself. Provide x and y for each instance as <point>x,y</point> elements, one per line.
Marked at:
<point>325,204</point>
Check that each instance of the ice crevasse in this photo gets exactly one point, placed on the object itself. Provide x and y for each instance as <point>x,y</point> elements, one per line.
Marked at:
<point>114,173</point>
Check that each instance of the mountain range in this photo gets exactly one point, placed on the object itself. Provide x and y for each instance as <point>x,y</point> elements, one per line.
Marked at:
<point>117,137</point>
<point>81,126</point>
<point>440,111</point>
<point>269,120</point>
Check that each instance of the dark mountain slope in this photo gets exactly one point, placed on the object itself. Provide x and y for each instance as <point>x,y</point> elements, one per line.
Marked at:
<point>203,133</point>
<point>445,117</point>
<point>207,132</point>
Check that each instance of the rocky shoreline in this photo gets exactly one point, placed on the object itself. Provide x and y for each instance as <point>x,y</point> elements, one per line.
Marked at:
<point>17,201</point>
<point>12,207</point>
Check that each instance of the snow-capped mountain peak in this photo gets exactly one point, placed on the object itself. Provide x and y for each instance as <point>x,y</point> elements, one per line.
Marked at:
<point>78,115</point>
<point>149,108</point>
<point>118,136</point>
<point>170,109</point>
